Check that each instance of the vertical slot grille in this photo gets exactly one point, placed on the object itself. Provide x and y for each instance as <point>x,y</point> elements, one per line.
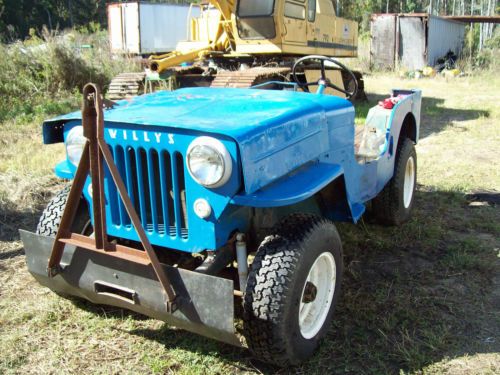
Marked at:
<point>111,190</point>
<point>155,183</point>
<point>182,192</point>
<point>119,157</point>
<point>155,193</point>
<point>179,192</point>
<point>167,192</point>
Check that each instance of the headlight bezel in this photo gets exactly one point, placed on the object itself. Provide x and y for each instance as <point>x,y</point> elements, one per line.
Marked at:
<point>74,143</point>
<point>221,150</point>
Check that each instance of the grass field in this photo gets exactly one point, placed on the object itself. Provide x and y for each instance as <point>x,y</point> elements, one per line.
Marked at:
<point>420,299</point>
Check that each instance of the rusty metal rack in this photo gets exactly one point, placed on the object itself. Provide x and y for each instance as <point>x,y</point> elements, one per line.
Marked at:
<point>95,157</point>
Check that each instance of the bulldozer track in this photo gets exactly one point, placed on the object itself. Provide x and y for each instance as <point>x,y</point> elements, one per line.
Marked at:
<point>126,86</point>
<point>247,77</point>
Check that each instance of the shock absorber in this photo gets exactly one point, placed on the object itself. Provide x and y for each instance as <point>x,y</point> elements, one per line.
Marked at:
<point>241,258</point>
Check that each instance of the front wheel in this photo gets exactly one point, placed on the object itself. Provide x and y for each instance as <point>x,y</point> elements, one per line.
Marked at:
<point>292,289</point>
<point>50,220</point>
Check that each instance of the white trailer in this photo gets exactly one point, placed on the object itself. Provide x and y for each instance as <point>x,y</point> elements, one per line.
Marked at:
<point>142,28</point>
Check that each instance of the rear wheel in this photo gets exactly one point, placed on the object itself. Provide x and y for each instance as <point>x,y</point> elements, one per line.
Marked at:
<point>292,289</point>
<point>394,203</point>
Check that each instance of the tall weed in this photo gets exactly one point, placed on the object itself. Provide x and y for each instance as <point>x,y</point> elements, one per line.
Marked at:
<point>44,75</point>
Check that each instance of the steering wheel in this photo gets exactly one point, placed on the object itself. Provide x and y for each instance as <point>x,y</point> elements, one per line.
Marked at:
<point>324,80</point>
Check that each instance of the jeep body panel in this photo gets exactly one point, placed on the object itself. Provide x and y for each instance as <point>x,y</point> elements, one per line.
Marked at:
<point>276,131</point>
<point>285,147</point>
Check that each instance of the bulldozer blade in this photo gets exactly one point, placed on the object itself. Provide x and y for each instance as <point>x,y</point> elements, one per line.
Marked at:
<point>205,304</point>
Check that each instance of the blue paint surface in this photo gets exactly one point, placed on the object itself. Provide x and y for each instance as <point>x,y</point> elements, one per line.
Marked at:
<point>237,113</point>
<point>285,147</point>
<point>270,127</point>
<point>294,188</point>
<point>64,169</point>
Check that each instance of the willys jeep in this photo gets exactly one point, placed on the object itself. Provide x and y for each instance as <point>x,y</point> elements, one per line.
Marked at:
<point>205,205</point>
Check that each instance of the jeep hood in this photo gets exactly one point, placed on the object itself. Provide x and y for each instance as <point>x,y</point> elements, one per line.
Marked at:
<point>276,131</point>
<point>238,113</point>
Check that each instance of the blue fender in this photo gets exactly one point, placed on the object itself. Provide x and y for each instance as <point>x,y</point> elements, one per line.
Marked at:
<point>293,188</point>
<point>297,187</point>
<point>65,170</point>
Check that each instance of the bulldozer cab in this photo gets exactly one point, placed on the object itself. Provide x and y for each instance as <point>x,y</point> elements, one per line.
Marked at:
<point>293,27</point>
<point>233,33</point>
<point>255,19</point>
<point>273,27</point>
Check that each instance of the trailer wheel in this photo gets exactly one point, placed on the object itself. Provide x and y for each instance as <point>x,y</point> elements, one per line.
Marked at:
<point>394,203</point>
<point>292,289</point>
<point>51,217</point>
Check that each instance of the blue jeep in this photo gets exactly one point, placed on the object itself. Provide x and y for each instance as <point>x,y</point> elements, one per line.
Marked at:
<point>187,204</point>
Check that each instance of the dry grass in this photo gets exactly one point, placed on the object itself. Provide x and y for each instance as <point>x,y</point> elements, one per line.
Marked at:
<point>421,299</point>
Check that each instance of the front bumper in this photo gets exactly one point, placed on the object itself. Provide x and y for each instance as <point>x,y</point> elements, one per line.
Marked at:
<point>205,303</point>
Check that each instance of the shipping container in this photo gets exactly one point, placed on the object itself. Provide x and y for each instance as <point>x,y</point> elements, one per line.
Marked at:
<point>413,41</point>
<point>147,28</point>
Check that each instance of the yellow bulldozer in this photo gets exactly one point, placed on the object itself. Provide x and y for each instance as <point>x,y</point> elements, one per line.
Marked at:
<point>240,43</point>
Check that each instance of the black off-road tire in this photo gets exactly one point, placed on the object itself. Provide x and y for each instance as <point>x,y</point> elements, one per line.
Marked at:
<point>388,207</point>
<point>51,217</point>
<point>275,284</point>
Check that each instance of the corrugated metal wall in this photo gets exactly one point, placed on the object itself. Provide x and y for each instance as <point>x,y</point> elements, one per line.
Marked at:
<point>412,41</point>
<point>443,35</point>
<point>383,36</point>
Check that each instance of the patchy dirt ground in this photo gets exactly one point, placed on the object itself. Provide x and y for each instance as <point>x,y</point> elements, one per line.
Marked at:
<point>420,299</point>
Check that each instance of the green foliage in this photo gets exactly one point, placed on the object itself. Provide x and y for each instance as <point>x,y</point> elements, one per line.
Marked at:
<point>486,58</point>
<point>361,10</point>
<point>42,76</point>
<point>494,42</point>
<point>19,16</point>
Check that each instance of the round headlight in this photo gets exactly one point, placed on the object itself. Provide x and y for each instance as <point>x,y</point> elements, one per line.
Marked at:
<point>209,162</point>
<point>74,144</point>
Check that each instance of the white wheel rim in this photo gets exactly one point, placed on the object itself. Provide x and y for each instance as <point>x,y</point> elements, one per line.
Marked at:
<point>409,183</point>
<point>322,275</point>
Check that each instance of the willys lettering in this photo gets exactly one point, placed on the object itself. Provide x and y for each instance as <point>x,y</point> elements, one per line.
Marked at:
<point>137,136</point>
